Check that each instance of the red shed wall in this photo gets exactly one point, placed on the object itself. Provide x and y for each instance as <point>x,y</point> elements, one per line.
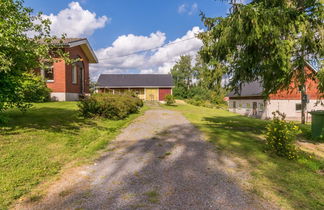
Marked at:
<point>294,94</point>
<point>163,92</point>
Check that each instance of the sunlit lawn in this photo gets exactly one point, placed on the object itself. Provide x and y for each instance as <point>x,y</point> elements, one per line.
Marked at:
<point>292,184</point>
<point>35,145</point>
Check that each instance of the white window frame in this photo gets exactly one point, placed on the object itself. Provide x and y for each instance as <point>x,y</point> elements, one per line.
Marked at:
<point>43,73</point>
<point>74,74</point>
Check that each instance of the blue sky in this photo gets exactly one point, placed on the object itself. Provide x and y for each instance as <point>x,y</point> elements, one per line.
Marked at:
<point>119,27</point>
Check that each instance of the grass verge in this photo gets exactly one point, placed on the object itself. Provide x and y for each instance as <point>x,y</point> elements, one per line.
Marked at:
<point>35,145</point>
<point>291,184</point>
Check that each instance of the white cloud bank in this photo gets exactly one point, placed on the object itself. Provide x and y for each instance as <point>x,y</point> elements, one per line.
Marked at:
<point>75,21</point>
<point>123,55</point>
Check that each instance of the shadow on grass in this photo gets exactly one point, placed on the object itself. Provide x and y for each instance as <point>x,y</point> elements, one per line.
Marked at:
<point>45,118</point>
<point>238,134</point>
<point>291,181</point>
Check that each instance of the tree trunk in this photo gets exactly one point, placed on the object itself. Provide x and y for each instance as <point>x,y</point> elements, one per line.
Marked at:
<point>303,105</point>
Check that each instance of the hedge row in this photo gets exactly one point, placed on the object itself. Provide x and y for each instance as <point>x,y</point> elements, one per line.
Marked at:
<point>109,106</point>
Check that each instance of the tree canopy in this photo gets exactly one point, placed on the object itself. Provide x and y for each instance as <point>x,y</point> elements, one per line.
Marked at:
<point>19,53</point>
<point>182,74</point>
<point>198,83</point>
<point>266,40</point>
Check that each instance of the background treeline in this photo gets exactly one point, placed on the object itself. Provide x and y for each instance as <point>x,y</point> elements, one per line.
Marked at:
<point>198,83</point>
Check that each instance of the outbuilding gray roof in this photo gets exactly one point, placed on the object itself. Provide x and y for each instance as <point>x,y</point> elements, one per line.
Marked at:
<point>134,80</point>
<point>248,89</point>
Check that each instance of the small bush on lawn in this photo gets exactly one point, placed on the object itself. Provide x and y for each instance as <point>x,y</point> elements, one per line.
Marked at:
<point>169,99</point>
<point>34,89</point>
<point>281,136</point>
<point>109,106</point>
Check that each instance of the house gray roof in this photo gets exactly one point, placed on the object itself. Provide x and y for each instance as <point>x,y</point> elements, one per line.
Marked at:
<point>134,80</point>
<point>73,42</point>
<point>248,89</point>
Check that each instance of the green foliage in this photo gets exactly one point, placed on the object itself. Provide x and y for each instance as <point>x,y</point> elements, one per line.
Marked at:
<point>169,99</point>
<point>180,92</point>
<point>268,41</point>
<point>109,106</point>
<point>281,136</point>
<point>34,88</point>
<point>19,53</point>
<point>200,84</point>
<point>200,96</point>
<point>182,73</point>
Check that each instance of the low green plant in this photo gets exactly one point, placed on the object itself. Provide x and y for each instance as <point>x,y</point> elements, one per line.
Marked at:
<point>169,99</point>
<point>281,136</point>
<point>109,106</point>
<point>34,89</point>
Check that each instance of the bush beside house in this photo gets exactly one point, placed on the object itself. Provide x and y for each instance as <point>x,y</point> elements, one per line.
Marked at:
<point>34,89</point>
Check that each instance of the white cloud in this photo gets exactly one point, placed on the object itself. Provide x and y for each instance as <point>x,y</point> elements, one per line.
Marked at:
<point>113,60</point>
<point>182,8</point>
<point>187,9</point>
<point>75,21</point>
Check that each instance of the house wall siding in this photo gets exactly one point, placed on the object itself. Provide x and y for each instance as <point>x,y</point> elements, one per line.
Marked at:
<point>59,83</point>
<point>293,92</point>
<point>75,88</point>
<point>287,107</point>
<point>243,108</point>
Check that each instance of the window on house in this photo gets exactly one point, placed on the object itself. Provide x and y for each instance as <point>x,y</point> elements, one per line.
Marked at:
<point>298,107</point>
<point>261,106</point>
<point>248,105</point>
<point>74,74</point>
<point>234,104</point>
<point>48,72</point>
<point>240,106</point>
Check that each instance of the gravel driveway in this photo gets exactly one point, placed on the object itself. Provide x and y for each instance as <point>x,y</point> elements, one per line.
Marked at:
<point>157,162</point>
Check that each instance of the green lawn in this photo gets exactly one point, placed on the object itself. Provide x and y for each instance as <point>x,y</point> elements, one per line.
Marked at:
<point>292,184</point>
<point>35,145</point>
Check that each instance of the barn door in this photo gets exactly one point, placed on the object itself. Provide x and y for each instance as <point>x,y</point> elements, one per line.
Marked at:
<point>152,94</point>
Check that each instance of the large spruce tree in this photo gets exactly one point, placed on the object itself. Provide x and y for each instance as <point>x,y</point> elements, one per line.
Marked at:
<point>269,41</point>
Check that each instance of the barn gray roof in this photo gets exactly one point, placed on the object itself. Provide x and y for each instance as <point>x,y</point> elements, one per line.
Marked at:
<point>248,89</point>
<point>134,80</point>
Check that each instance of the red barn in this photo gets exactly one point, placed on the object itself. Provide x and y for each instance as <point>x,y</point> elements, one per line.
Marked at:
<point>250,101</point>
<point>150,87</point>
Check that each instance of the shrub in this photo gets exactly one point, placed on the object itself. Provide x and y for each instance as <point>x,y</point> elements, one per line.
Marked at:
<point>206,103</point>
<point>169,99</point>
<point>180,92</point>
<point>34,89</point>
<point>109,106</point>
<point>281,136</point>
